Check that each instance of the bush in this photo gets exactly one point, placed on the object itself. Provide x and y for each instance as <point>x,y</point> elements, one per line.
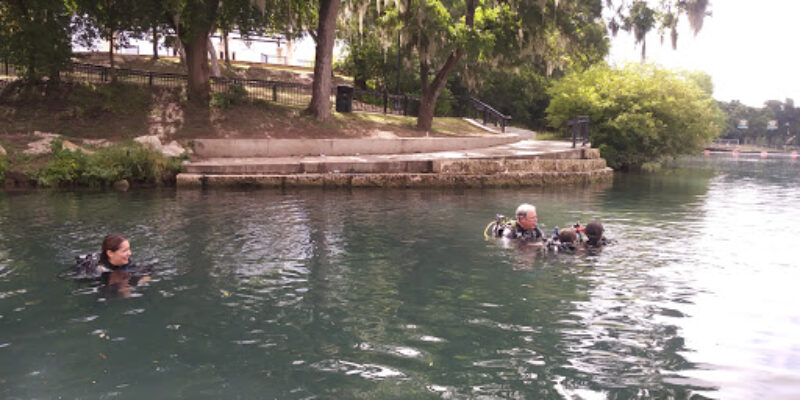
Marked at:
<point>235,94</point>
<point>3,167</point>
<point>134,162</point>
<point>639,114</point>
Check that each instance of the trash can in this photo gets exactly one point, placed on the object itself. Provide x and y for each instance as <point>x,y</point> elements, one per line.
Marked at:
<point>344,98</point>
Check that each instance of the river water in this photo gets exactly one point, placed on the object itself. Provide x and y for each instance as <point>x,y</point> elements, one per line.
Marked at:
<point>386,294</point>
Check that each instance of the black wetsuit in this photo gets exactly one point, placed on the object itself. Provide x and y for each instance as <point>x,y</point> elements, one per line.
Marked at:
<point>92,267</point>
<point>525,235</point>
<point>130,268</point>
<point>598,243</point>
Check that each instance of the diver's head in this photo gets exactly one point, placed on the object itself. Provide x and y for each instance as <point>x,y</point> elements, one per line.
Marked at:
<point>594,231</point>
<point>526,216</point>
<point>116,250</point>
<point>567,235</point>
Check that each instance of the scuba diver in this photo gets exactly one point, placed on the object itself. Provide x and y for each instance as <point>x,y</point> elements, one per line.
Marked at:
<point>567,240</point>
<point>112,267</point>
<point>525,228</point>
<point>594,235</point>
<point>571,240</point>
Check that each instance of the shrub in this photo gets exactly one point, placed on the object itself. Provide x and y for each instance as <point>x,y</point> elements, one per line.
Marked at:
<point>639,114</point>
<point>3,167</point>
<point>235,94</point>
<point>134,162</point>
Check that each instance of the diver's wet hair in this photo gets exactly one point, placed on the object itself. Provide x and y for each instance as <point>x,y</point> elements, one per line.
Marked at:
<point>594,231</point>
<point>567,235</point>
<point>111,242</point>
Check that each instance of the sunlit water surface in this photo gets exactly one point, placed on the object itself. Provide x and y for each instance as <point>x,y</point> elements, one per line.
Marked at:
<point>396,294</point>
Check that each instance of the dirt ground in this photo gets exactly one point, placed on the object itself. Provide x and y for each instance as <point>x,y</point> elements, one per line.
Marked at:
<point>87,113</point>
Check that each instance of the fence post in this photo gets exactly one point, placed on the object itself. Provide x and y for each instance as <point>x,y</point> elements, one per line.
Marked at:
<point>502,125</point>
<point>405,104</point>
<point>6,65</point>
<point>571,126</point>
<point>385,101</point>
<point>484,116</point>
<point>275,93</point>
<point>150,78</point>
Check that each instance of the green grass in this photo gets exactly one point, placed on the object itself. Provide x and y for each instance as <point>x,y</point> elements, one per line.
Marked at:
<point>549,136</point>
<point>441,125</point>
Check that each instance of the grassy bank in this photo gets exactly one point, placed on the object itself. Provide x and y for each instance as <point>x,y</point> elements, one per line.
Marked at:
<point>97,115</point>
<point>122,111</point>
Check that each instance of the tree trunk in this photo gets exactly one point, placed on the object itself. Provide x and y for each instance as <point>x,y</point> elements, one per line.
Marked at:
<point>320,106</point>
<point>155,42</point>
<point>430,93</point>
<point>225,41</point>
<point>214,64</point>
<point>111,57</point>
<point>197,67</point>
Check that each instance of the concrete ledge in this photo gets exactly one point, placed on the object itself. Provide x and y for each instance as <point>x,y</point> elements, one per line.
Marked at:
<point>336,147</point>
<point>505,166</point>
<point>186,180</point>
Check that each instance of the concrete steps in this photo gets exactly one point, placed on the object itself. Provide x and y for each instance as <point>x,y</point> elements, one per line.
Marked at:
<point>521,163</point>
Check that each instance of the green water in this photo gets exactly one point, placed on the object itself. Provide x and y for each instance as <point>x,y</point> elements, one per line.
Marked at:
<point>380,294</point>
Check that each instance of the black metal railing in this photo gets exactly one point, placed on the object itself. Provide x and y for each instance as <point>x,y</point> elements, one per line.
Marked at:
<point>297,94</point>
<point>579,128</point>
<point>446,106</point>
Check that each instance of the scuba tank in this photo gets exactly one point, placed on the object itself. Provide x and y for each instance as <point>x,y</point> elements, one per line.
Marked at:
<point>87,266</point>
<point>495,228</point>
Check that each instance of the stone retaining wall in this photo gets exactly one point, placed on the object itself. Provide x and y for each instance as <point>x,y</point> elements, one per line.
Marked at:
<point>511,179</point>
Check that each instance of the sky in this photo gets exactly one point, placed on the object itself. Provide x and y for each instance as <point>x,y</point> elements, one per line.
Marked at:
<point>746,46</point>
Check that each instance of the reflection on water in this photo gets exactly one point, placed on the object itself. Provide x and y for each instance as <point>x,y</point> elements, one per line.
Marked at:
<point>395,294</point>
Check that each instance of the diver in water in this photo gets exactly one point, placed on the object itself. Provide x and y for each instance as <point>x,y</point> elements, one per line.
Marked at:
<point>566,240</point>
<point>594,235</point>
<point>525,228</point>
<point>113,266</point>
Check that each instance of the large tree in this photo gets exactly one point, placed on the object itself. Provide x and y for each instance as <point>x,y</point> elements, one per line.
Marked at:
<point>35,35</point>
<point>113,20</point>
<point>320,106</point>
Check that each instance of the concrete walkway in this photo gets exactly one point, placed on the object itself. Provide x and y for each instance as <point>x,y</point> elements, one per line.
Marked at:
<point>380,163</point>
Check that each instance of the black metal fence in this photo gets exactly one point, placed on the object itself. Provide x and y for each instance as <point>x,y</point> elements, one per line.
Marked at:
<point>298,94</point>
<point>446,106</point>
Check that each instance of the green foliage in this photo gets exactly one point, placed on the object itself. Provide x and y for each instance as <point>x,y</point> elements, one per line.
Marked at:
<point>116,99</point>
<point>234,95</point>
<point>134,162</point>
<point>786,115</point>
<point>639,114</point>
<point>35,36</point>
<point>521,94</point>
<point>3,167</point>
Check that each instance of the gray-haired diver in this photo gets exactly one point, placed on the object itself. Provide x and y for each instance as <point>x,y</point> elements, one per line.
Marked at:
<point>525,228</point>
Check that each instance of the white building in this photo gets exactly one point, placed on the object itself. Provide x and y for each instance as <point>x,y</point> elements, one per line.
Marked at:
<point>262,49</point>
